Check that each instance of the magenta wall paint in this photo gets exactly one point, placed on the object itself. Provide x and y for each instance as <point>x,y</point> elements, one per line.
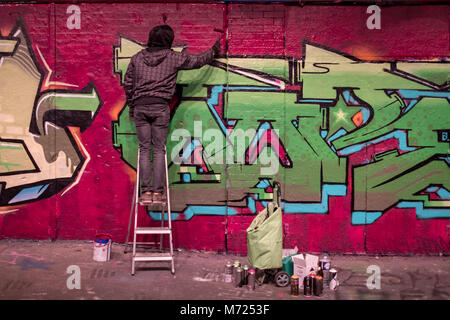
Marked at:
<point>66,174</point>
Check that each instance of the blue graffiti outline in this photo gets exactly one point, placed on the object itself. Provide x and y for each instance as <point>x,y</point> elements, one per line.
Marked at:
<point>287,207</point>
<point>424,213</point>
<point>365,217</point>
<point>27,194</point>
<point>328,190</point>
<point>416,95</point>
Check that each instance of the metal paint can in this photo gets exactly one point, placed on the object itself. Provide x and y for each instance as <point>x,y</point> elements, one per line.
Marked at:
<point>236,265</point>
<point>295,285</point>
<point>245,275</point>
<point>333,274</point>
<point>238,279</point>
<point>251,279</point>
<point>318,286</point>
<point>307,286</point>
<point>228,267</point>
<point>228,277</point>
<point>102,247</point>
<point>334,283</point>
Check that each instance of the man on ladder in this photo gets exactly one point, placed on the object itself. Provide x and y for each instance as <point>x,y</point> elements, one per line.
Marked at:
<point>149,85</point>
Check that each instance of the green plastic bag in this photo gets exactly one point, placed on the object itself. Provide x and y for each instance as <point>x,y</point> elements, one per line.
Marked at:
<point>265,237</point>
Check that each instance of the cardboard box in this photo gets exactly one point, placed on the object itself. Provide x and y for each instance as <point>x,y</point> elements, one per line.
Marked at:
<point>312,261</point>
<point>299,265</point>
<point>303,264</point>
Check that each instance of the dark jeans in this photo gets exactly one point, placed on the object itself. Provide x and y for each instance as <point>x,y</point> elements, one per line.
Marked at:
<point>152,122</point>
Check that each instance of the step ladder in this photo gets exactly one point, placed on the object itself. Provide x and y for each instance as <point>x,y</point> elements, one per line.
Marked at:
<point>165,208</point>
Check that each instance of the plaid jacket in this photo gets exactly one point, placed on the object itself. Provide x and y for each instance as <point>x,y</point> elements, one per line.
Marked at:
<point>153,73</point>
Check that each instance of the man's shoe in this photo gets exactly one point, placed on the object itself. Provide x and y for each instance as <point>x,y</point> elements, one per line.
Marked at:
<point>146,197</point>
<point>159,197</point>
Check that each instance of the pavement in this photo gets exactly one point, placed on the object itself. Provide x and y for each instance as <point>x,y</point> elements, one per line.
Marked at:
<point>65,270</point>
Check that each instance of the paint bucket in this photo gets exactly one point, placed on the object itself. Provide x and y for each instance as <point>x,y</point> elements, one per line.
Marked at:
<point>102,247</point>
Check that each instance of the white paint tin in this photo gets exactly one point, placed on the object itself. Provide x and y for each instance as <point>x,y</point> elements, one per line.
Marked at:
<point>102,247</point>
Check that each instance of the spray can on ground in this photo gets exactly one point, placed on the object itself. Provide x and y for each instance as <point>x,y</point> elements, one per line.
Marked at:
<point>251,279</point>
<point>238,279</point>
<point>312,275</point>
<point>228,276</point>
<point>236,265</point>
<point>294,285</point>
<point>318,285</point>
<point>307,286</point>
<point>245,275</point>
<point>334,283</point>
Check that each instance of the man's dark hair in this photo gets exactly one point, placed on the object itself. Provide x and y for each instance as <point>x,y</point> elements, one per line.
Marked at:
<point>160,36</point>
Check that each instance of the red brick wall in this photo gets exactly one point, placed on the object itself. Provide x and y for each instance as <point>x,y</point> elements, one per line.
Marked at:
<point>100,200</point>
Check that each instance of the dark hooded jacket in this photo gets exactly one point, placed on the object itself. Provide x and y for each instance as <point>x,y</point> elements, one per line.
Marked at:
<point>152,72</point>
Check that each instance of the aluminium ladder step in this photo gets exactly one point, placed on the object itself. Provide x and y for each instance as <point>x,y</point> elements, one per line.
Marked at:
<point>155,256</point>
<point>153,230</point>
<point>153,204</point>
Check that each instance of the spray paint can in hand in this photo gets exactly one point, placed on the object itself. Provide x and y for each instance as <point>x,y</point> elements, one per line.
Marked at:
<point>251,279</point>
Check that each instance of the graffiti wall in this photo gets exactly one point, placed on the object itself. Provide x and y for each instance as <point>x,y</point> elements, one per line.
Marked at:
<point>347,107</point>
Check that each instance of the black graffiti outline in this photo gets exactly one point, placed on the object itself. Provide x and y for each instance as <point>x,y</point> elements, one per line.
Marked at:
<point>57,184</point>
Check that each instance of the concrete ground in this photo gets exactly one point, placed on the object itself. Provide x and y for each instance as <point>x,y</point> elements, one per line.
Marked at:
<point>45,270</point>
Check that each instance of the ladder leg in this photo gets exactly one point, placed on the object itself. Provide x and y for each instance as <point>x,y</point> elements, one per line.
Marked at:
<point>134,241</point>
<point>171,254</point>
<point>136,199</point>
<point>169,214</point>
<point>162,226</point>
<point>161,237</point>
<point>131,219</point>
